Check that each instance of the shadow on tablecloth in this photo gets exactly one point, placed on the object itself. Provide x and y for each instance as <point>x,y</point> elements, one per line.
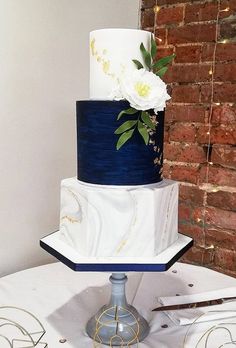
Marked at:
<point>71,318</point>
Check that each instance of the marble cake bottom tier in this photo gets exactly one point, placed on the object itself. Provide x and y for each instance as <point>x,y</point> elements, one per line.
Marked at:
<point>119,221</point>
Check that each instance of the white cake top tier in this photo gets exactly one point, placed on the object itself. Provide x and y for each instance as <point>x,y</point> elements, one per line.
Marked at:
<point>111,55</point>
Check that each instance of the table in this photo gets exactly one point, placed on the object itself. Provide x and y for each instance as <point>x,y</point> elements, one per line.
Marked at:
<point>64,300</point>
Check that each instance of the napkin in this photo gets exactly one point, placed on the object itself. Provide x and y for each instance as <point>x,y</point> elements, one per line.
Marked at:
<point>201,314</point>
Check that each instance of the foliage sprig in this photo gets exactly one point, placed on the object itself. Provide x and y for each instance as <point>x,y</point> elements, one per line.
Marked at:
<point>143,123</point>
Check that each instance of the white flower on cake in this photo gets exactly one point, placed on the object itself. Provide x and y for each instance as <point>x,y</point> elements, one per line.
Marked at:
<point>144,90</point>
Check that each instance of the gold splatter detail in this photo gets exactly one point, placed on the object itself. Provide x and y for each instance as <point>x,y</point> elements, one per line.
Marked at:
<point>106,66</point>
<point>70,219</point>
<point>92,46</point>
<point>122,244</point>
<point>157,161</point>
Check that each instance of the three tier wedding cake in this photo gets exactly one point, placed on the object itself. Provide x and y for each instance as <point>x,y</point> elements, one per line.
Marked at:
<point>119,205</point>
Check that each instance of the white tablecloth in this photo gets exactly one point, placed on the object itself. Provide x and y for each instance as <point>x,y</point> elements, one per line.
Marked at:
<point>64,300</point>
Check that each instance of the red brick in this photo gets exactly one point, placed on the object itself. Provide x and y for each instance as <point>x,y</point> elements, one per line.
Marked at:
<point>201,136</point>
<point>185,113</point>
<point>164,51</point>
<point>147,18</point>
<point>225,92</point>
<point>218,176</point>
<point>186,94</point>
<point>224,114</point>
<point>188,73</point>
<point>185,173</point>
<point>224,52</point>
<point>188,54</point>
<point>192,33</point>
<point>211,216</point>
<point>148,3</point>
<point>225,259</point>
<point>224,219</point>
<point>160,34</point>
<point>201,12</point>
<point>199,255</point>
<point>231,4</point>
<point>191,194</point>
<point>193,231</point>
<point>207,52</point>
<point>166,170</point>
<point>220,238</point>
<point>185,153</point>
<point>206,93</point>
<point>182,132</point>
<point>218,135</point>
<point>184,212</point>
<point>198,215</point>
<point>225,72</point>
<point>166,134</point>
<point>225,156</point>
<point>170,2</point>
<point>221,199</point>
<point>170,15</point>
<point>191,97</point>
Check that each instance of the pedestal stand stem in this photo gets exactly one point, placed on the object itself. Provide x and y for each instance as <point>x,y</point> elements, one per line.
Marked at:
<point>118,297</point>
<point>118,323</point>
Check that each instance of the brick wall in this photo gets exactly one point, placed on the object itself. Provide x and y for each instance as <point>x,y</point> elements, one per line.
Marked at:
<point>200,147</point>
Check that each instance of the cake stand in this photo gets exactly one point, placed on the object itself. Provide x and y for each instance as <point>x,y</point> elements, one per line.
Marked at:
<point>116,323</point>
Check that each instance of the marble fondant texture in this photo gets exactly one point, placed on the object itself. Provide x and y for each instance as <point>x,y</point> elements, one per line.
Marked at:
<point>111,54</point>
<point>125,221</point>
<point>99,162</point>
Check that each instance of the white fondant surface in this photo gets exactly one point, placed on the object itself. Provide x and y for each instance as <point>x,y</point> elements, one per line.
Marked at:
<point>111,54</point>
<point>132,221</point>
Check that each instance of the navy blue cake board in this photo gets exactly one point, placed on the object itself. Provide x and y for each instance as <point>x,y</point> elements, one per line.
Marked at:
<point>160,263</point>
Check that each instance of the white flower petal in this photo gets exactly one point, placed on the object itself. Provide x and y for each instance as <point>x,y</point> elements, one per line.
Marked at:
<point>144,90</point>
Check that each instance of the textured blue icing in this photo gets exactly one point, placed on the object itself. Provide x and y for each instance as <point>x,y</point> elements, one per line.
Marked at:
<point>98,160</point>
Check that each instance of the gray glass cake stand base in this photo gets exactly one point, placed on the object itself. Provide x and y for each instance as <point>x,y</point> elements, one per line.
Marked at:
<point>118,323</point>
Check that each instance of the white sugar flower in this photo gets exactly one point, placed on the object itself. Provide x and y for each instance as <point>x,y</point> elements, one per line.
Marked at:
<point>116,93</point>
<point>144,90</point>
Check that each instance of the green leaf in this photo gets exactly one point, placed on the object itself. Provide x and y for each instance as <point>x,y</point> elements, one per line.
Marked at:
<point>138,64</point>
<point>125,126</point>
<point>163,62</point>
<point>146,119</point>
<point>143,131</point>
<point>153,47</point>
<point>129,111</point>
<point>162,71</point>
<point>146,56</point>
<point>123,138</point>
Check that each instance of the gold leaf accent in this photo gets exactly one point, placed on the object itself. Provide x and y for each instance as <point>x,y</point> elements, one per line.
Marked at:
<point>106,66</point>
<point>122,244</point>
<point>92,46</point>
<point>70,219</point>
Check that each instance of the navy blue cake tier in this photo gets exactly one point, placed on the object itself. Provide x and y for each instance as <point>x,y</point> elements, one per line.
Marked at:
<point>98,160</point>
